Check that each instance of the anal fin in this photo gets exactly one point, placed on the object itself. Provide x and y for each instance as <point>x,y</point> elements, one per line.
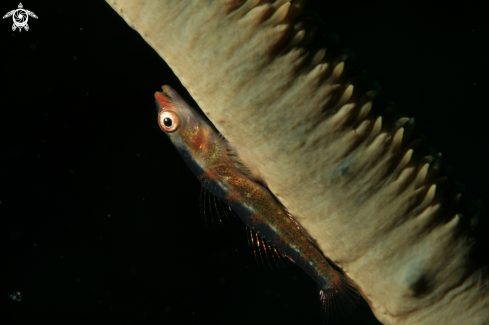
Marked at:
<point>266,255</point>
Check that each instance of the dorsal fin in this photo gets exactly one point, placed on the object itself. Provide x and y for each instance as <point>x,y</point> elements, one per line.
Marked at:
<point>301,229</point>
<point>244,164</point>
<point>266,255</point>
<point>238,163</point>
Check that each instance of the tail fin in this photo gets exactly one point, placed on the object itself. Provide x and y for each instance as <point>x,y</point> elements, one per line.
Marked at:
<point>338,302</point>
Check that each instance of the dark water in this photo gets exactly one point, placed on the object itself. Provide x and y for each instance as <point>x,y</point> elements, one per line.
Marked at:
<point>99,216</point>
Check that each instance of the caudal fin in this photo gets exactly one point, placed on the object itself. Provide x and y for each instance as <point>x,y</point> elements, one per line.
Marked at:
<point>338,302</point>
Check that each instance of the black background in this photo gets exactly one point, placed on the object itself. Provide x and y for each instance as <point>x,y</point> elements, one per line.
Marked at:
<point>99,216</point>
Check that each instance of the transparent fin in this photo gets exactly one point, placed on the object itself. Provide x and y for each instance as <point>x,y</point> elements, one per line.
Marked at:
<point>338,303</point>
<point>244,164</point>
<point>266,256</point>
<point>215,214</point>
<point>301,229</point>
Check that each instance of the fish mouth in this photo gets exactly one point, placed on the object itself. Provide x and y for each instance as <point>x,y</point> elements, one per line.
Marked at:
<point>170,93</point>
<point>163,98</point>
<point>159,109</point>
<point>167,90</point>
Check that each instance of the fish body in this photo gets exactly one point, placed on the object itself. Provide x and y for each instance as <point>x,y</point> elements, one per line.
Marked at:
<point>213,161</point>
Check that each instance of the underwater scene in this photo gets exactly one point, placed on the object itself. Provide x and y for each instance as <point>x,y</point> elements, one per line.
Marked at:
<point>102,221</point>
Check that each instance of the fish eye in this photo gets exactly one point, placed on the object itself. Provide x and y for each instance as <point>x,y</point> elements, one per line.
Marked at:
<point>168,121</point>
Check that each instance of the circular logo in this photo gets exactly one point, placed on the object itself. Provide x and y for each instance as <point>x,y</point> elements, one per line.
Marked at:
<point>20,18</point>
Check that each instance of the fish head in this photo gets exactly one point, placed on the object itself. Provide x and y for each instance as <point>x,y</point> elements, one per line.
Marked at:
<point>185,127</point>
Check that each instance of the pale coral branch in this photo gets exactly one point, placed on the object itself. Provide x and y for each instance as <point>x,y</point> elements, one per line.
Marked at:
<point>352,176</point>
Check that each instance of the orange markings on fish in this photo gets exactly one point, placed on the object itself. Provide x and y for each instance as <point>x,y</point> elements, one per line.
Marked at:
<point>207,154</point>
